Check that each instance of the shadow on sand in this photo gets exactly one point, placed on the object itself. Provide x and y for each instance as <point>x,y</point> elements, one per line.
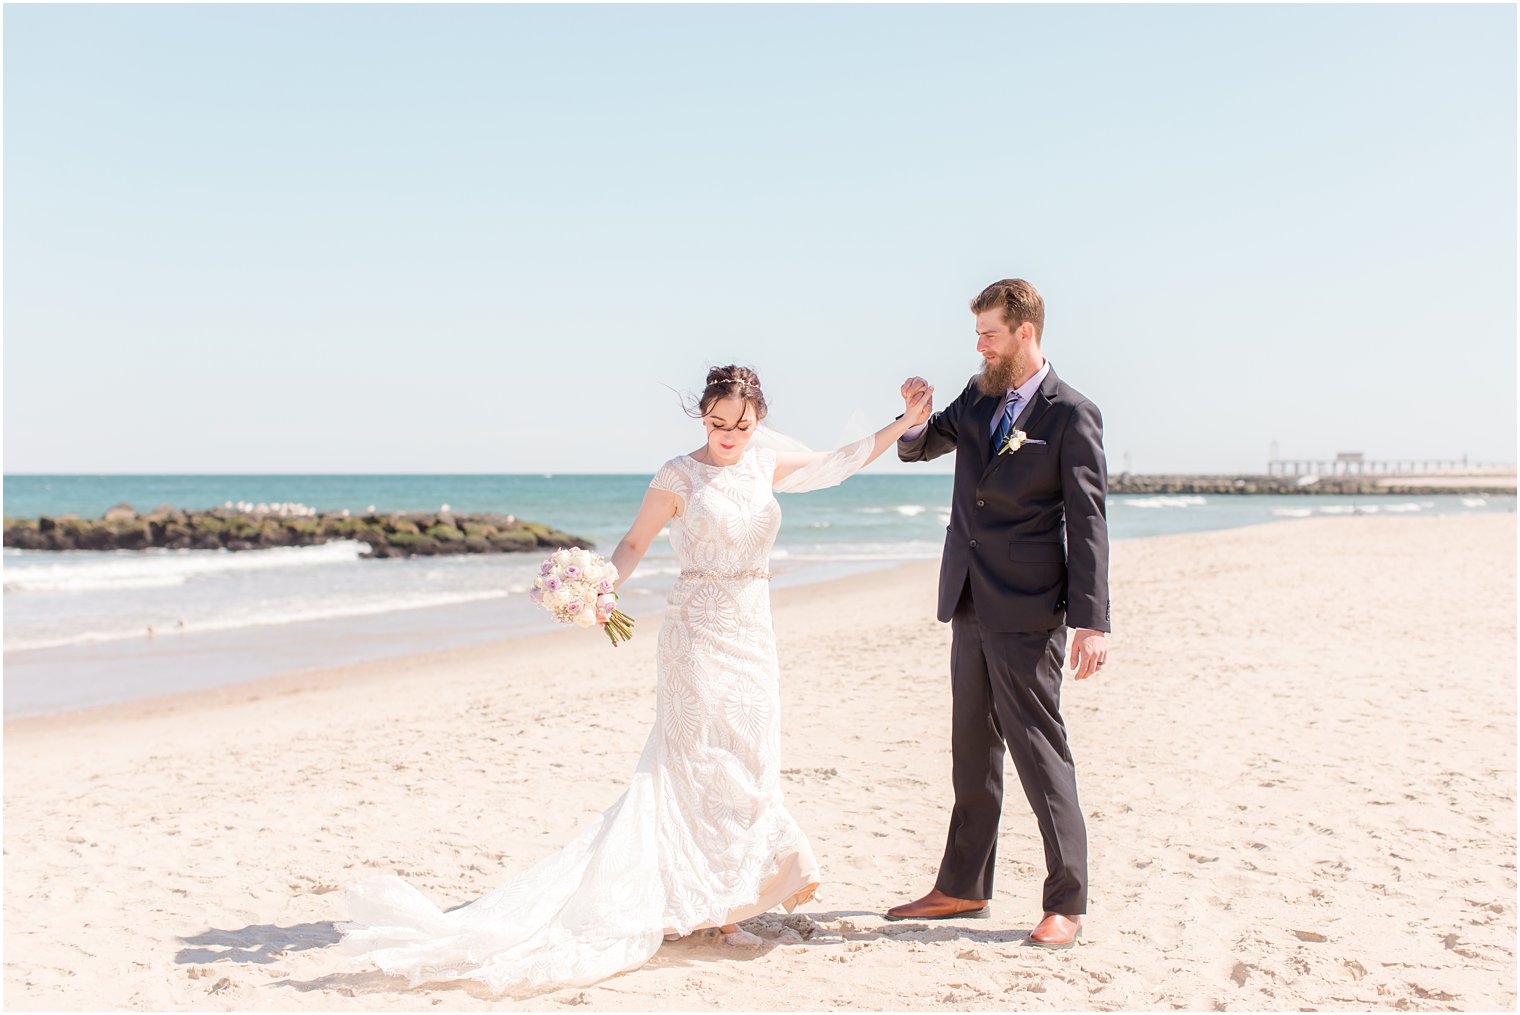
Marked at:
<point>260,943</point>
<point>266,943</point>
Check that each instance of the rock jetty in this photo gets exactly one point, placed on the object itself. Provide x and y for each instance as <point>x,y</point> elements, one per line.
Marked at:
<point>1343,486</point>
<point>247,527</point>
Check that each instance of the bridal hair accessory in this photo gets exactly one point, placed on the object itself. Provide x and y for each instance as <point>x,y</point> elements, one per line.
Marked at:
<point>1015,440</point>
<point>734,380</point>
<point>579,587</point>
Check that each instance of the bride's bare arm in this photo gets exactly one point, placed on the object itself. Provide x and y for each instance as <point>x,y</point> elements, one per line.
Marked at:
<point>917,408</point>
<point>659,507</point>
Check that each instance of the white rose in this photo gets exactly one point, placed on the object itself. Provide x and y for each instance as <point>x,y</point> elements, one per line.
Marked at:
<point>585,619</point>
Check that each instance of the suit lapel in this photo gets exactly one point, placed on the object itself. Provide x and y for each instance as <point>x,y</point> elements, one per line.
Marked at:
<point>981,422</point>
<point>1044,395</point>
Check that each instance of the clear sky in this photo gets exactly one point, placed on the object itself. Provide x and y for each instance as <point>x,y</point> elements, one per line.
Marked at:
<point>292,238</point>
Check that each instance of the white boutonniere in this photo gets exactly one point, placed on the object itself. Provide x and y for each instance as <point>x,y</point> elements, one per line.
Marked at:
<point>1015,440</point>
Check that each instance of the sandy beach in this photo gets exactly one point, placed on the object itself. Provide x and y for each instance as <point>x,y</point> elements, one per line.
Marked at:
<point>1298,772</point>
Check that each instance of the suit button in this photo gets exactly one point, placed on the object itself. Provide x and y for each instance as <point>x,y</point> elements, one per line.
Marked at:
<point>973,543</point>
<point>981,503</point>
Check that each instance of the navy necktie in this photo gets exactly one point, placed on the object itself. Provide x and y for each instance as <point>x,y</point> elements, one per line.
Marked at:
<point>1005,427</point>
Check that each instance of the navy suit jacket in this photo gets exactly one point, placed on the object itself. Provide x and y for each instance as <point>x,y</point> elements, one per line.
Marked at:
<point>1028,528</point>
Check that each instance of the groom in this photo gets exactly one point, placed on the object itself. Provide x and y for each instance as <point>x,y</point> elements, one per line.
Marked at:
<point>1026,556</point>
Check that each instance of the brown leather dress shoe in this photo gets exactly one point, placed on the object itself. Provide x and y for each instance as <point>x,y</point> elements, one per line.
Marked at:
<point>939,906</point>
<point>1056,931</point>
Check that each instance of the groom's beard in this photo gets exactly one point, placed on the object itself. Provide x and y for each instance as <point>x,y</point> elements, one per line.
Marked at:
<point>997,375</point>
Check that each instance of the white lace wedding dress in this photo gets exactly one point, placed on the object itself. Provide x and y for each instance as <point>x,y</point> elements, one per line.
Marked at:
<point>701,837</point>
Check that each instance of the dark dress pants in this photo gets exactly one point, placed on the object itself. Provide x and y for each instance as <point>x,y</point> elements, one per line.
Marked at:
<point>1006,689</point>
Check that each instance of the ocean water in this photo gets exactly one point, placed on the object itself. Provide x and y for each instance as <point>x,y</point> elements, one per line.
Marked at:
<point>90,627</point>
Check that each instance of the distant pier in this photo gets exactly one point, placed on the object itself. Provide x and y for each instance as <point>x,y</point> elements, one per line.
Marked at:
<point>1354,463</point>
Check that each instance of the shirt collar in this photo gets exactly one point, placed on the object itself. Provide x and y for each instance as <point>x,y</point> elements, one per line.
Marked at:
<point>1028,388</point>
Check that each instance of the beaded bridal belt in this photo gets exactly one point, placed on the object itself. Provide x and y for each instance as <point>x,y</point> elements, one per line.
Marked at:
<point>753,572</point>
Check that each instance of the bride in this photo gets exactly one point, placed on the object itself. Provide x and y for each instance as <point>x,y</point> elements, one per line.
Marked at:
<point>701,838</point>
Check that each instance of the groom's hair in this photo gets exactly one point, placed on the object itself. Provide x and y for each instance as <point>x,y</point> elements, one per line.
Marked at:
<point>1019,302</point>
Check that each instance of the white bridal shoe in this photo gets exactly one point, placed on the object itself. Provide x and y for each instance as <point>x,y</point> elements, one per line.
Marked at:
<point>742,938</point>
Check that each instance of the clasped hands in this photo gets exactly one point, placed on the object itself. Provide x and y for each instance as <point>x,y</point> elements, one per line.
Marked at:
<point>918,401</point>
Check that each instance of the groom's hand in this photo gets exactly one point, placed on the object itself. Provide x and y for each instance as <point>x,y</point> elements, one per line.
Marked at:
<point>912,386</point>
<point>1089,651</point>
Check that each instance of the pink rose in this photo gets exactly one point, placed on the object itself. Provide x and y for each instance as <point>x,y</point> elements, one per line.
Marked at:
<point>536,595</point>
<point>552,583</point>
<point>546,567</point>
<point>572,573</point>
<point>574,608</point>
<point>604,586</point>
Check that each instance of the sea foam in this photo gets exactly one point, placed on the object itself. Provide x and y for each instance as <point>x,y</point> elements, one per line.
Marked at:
<point>96,570</point>
<point>259,616</point>
<point>1165,501</point>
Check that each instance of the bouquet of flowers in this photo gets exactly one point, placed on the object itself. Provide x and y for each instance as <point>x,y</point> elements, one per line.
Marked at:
<point>577,587</point>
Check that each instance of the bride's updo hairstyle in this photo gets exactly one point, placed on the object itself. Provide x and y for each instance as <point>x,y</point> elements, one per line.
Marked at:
<point>730,382</point>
